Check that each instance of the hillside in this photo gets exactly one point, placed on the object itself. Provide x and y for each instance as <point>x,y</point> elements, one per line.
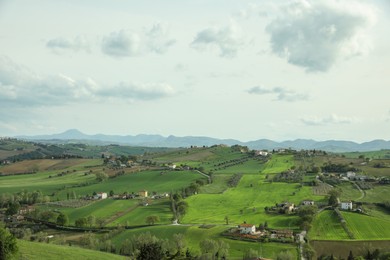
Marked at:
<point>187,141</point>
<point>38,251</point>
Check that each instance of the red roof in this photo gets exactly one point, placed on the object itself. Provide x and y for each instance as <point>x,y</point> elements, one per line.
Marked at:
<point>246,225</point>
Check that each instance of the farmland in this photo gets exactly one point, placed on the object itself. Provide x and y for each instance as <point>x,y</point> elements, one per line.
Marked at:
<point>230,186</point>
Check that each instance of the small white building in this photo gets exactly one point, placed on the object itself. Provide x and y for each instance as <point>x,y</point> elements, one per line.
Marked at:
<point>101,196</point>
<point>346,205</point>
<point>247,228</point>
<point>351,174</point>
<point>308,202</point>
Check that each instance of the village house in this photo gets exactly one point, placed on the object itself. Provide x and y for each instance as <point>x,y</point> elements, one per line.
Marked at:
<point>247,228</point>
<point>26,210</point>
<point>351,174</point>
<point>143,193</point>
<point>307,202</point>
<point>261,153</point>
<point>284,233</point>
<point>100,196</point>
<point>346,205</point>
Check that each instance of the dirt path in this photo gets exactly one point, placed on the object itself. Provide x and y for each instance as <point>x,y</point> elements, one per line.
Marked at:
<point>119,214</point>
<point>361,191</point>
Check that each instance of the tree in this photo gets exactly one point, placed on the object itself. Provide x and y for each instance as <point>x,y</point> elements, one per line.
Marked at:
<point>150,251</point>
<point>350,256</point>
<point>46,215</point>
<point>227,220</point>
<point>284,255</point>
<point>180,242</point>
<point>101,176</point>
<point>12,209</point>
<point>91,220</point>
<point>62,219</point>
<point>8,244</point>
<point>81,222</point>
<point>208,246</point>
<point>150,220</point>
<point>334,195</point>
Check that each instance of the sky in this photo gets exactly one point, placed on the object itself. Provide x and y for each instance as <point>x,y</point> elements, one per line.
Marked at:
<point>237,69</point>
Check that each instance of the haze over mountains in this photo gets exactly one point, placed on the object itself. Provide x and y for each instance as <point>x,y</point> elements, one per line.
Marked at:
<point>186,141</point>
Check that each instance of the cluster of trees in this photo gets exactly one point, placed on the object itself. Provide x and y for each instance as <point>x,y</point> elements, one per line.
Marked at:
<point>289,176</point>
<point>230,163</point>
<point>179,207</point>
<point>337,167</point>
<point>8,245</point>
<point>306,215</point>
<point>23,197</point>
<point>234,180</point>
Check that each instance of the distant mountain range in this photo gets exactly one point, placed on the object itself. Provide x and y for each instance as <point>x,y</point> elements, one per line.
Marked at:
<point>74,135</point>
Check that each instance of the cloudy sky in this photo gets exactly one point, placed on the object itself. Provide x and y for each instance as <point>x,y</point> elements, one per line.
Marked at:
<point>224,68</point>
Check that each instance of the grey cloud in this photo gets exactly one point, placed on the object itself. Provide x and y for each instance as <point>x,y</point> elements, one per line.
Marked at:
<point>126,43</point>
<point>281,94</point>
<point>61,44</point>
<point>316,34</point>
<point>138,91</point>
<point>228,40</point>
<point>22,88</point>
<point>330,120</point>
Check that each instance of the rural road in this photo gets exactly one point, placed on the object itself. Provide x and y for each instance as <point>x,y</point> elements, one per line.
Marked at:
<point>204,174</point>
<point>361,191</point>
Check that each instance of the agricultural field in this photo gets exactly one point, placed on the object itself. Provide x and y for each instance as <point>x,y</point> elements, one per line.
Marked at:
<point>242,186</point>
<point>246,202</point>
<point>367,227</point>
<point>327,226</point>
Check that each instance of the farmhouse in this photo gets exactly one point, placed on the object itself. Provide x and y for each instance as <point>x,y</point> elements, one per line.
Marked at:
<point>261,153</point>
<point>307,202</point>
<point>143,193</point>
<point>346,205</point>
<point>284,233</point>
<point>101,196</point>
<point>247,228</point>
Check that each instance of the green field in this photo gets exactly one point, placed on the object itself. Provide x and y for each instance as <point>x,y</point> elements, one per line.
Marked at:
<point>327,226</point>
<point>160,208</point>
<point>367,227</point>
<point>39,251</point>
<point>251,196</point>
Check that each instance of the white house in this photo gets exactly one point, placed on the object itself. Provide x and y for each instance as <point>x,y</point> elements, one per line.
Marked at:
<point>101,195</point>
<point>307,202</point>
<point>351,174</point>
<point>247,228</point>
<point>346,205</point>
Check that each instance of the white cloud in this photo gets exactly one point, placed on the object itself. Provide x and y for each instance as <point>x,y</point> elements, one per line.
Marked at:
<point>126,43</point>
<point>281,94</point>
<point>227,40</point>
<point>21,88</point>
<point>330,120</point>
<point>60,44</point>
<point>316,34</point>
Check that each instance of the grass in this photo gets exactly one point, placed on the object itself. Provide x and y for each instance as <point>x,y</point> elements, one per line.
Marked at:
<point>327,226</point>
<point>380,193</point>
<point>160,208</point>
<point>278,163</point>
<point>134,182</point>
<point>250,196</point>
<point>38,251</point>
<point>102,209</point>
<point>367,227</point>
